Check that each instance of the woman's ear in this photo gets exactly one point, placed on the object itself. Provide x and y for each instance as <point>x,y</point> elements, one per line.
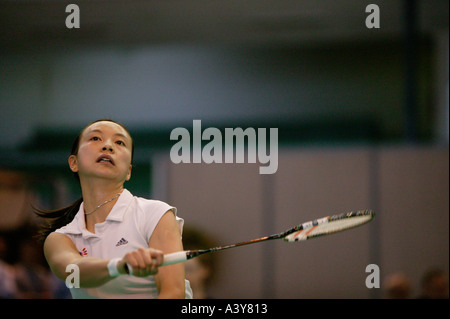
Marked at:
<point>73,163</point>
<point>129,173</point>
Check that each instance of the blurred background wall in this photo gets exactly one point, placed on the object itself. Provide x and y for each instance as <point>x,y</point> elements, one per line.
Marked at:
<point>362,117</point>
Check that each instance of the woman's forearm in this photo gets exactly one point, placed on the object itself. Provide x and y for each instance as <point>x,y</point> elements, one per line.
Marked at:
<point>93,272</point>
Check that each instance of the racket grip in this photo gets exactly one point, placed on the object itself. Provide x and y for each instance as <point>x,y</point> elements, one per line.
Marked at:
<point>174,258</point>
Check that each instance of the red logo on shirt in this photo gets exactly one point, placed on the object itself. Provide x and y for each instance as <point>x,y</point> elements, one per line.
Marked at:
<point>83,252</point>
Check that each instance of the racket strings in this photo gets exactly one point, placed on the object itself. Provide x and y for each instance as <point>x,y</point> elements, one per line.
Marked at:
<point>328,228</point>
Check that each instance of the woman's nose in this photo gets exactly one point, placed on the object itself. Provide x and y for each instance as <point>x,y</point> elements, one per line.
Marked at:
<point>107,147</point>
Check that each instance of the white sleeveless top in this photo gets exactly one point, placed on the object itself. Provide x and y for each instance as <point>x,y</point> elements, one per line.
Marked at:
<point>128,227</point>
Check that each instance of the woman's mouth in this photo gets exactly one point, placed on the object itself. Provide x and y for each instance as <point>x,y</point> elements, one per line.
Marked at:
<point>105,159</point>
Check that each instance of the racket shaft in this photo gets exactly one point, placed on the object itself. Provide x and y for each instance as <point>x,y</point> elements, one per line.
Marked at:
<point>182,256</point>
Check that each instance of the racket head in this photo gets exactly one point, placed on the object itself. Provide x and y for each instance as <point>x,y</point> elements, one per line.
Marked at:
<point>328,225</point>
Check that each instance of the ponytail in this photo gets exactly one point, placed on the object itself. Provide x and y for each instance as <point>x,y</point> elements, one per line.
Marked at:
<point>57,218</point>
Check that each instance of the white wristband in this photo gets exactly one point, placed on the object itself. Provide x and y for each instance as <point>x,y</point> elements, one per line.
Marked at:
<point>112,267</point>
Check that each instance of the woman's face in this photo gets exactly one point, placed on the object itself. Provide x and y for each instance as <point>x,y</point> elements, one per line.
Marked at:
<point>104,151</point>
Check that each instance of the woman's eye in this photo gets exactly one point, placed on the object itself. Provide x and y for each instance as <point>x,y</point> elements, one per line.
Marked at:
<point>95,138</point>
<point>120,142</point>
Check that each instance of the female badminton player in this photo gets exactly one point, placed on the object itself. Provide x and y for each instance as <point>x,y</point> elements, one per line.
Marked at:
<point>116,240</point>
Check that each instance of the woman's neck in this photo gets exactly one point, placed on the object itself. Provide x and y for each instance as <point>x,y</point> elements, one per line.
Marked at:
<point>98,200</point>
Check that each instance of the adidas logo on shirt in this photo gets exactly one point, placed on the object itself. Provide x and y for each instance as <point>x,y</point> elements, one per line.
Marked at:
<point>122,241</point>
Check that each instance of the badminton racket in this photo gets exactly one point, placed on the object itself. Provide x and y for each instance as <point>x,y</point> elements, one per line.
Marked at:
<point>312,229</point>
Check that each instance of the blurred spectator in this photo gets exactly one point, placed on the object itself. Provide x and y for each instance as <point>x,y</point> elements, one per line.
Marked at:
<point>33,280</point>
<point>7,283</point>
<point>15,197</point>
<point>199,270</point>
<point>434,284</point>
<point>398,286</point>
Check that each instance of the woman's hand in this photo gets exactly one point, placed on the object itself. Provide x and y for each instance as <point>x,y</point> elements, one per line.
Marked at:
<point>141,262</point>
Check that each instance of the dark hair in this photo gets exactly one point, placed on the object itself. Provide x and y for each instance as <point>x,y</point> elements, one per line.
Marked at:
<point>62,216</point>
<point>430,275</point>
<point>196,238</point>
